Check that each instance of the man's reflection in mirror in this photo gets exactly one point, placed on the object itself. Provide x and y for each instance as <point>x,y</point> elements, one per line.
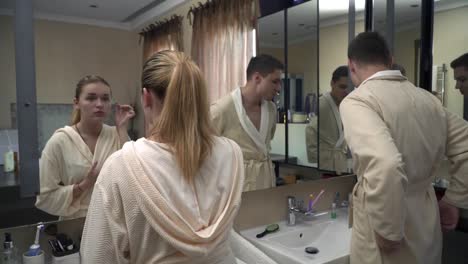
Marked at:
<point>460,74</point>
<point>333,149</point>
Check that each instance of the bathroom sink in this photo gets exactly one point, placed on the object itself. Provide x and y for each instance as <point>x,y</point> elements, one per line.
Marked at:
<point>330,236</point>
<point>302,237</point>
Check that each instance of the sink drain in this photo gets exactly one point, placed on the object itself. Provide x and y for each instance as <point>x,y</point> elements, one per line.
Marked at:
<point>311,250</point>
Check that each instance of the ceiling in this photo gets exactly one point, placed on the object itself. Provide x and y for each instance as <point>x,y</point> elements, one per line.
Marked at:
<point>123,14</point>
<point>302,19</point>
<point>134,14</point>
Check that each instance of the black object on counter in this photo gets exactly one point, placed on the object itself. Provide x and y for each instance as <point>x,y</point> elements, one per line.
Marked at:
<point>311,250</point>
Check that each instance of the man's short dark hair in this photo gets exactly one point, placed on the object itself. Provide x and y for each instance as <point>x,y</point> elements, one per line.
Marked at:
<point>339,72</point>
<point>370,48</point>
<point>460,61</point>
<point>263,64</point>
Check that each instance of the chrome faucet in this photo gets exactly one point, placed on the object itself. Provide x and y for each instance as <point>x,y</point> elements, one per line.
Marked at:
<point>295,208</point>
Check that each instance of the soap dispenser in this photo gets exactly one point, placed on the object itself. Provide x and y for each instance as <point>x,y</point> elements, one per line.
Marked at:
<point>9,254</point>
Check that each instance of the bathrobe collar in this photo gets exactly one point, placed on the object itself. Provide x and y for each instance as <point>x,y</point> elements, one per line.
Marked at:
<point>259,137</point>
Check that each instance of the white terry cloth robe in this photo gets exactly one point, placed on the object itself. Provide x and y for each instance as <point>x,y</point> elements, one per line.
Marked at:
<point>65,161</point>
<point>398,135</point>
<point>332,146</point>
<point>144,211</point>
<point>231,121</point>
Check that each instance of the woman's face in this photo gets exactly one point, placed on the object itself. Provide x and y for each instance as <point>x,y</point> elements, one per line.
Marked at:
<point>94,102</point>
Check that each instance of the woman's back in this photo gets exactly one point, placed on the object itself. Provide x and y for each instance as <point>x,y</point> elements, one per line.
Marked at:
<point>145,211</point>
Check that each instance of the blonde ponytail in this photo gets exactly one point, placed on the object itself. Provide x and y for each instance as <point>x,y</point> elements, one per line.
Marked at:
<point>76,117</point>
<point>184,122</point>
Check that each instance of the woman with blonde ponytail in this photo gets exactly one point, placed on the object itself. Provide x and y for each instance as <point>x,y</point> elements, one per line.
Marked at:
<point>73,156</point>
<point>170,197</point>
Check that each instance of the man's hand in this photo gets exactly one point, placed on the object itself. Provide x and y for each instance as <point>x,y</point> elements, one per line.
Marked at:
<point>387,246</point>
<point>449,216</point>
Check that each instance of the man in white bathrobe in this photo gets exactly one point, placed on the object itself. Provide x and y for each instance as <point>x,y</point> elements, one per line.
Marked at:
<point>398,135</point>
<point>332,146</point>
<point>248,116</point>
<point>460,73</point>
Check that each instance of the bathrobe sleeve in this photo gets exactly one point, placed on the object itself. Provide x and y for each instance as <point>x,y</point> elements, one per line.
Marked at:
<point>311,140</point>
<point>272,121</point>
<point>379,166</point>
<point>457,153</point>
<point>55,198</point>
<point>105,237</point>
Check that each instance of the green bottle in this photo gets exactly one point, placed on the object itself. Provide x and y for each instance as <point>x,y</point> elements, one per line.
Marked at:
<point>333,211</point>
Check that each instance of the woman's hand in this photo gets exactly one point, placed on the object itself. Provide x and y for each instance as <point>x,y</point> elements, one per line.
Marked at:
<point>123,114</point>
<point>90,178</point>
<point>87,182</point>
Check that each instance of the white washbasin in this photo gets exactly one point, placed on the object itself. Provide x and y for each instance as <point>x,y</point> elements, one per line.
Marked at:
<point>301,237</point>
<point>330,236</point>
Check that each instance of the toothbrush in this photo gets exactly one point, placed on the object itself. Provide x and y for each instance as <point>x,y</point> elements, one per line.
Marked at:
<point>318,197</point>
<point>35,248</point>
<point>311,196</point>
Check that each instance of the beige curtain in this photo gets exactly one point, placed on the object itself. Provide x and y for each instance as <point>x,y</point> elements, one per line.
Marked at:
<point>223,42</point>
<point>162,35</point>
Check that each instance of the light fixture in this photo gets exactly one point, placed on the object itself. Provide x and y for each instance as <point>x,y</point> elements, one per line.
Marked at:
<point>93,6</point>
<point>337,5</point>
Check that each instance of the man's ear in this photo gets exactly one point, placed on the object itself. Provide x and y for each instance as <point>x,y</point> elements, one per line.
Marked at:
<point>351,66</point>
<point>257,77</point>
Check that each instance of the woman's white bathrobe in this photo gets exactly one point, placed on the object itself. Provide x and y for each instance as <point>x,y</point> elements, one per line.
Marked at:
<point>66,160</point>
<point>144,211</point>
<point>398,135</point>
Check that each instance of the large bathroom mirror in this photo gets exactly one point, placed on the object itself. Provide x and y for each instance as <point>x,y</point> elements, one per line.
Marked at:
<point>270,41</point>
<point>450,42</point>
<point>302,78</point>
<point>71,40</point>
<point>65,54</point>
<point>334,85</point>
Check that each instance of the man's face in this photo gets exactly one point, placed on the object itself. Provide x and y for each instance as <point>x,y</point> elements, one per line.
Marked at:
<point>270,85</point>
<point>339,89</point>
<point>461,78</point>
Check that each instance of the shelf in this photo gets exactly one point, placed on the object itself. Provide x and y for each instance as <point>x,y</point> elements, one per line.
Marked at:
<point>8,179</point>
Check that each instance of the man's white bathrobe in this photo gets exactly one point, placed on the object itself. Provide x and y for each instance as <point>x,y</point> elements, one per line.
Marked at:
<point>231,121</point>
<point>398,135</point>
<point>332,146</point>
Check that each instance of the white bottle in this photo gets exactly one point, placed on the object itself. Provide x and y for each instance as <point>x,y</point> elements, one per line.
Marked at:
<point>9,161</point>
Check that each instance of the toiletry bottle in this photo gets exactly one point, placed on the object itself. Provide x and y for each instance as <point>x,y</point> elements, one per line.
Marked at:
<point>333,211</point>
<point>9,161</point>
<point>9,254</point>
